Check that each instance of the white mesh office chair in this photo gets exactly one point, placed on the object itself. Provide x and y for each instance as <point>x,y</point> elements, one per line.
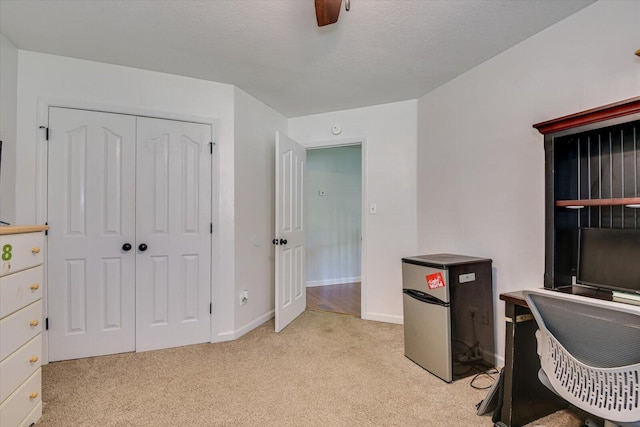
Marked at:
<point>590,353</point>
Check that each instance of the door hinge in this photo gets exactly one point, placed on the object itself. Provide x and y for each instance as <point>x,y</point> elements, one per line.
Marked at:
<point>46,132</point>
<point>46,324</point>
<point>211,147</point>
<point>46,232</point>
<point>210,228</point>
<point>210,308</point>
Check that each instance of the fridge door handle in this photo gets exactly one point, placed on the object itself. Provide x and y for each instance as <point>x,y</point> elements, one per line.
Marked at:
<point>423,297</point>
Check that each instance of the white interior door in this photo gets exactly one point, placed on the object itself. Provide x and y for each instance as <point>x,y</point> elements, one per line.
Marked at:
<point>173,200</point>
<point>291,297</point>
<point>91,212</point>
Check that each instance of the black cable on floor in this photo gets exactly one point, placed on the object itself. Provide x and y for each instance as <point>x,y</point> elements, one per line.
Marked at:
<point>489,373</point>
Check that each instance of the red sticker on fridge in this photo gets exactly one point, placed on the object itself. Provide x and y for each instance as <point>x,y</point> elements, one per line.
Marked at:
<point>435,281</point>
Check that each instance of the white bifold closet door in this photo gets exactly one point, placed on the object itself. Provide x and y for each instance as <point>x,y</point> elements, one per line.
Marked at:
<point>173,217</point>
<point>129,246</point>
<point>91,209</point>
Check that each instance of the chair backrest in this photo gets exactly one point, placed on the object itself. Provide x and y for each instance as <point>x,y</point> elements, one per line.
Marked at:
<point>590,351</point>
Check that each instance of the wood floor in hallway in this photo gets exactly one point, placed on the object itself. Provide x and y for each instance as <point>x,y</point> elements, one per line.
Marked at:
<point>343,298</point>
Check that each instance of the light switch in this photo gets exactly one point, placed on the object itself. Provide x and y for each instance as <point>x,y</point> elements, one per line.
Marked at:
<point>322,193</point>
<point>373,209</point>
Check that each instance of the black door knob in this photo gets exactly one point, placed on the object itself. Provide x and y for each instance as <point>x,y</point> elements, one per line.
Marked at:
<point>283,241</point>
<point>274,241</point>
<point>142,247</point>
<point>126,247</point>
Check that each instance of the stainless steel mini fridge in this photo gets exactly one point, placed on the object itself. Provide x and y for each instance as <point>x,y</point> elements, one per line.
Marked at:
<point>448,314</point>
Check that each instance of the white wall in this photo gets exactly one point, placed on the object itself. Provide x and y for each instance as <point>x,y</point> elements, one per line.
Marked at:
<point>333,219</point>
<point>8,122</point>
<point>480,162</point>
<point>389,136</point>
<point>255,128</point>
<point>65,81</point>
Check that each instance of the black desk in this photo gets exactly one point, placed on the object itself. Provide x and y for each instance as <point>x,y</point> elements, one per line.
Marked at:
<point>525,399</point>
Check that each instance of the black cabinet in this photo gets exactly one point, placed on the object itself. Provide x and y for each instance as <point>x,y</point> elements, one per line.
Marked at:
<point>592,179</point>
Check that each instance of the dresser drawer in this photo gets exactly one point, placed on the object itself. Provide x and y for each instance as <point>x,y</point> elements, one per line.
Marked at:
<point>17,367</point>
<point>33,416</point>
<point>22,402</point>
<point>20,327</point>
<point>20,289</point>
<point>20,251</point>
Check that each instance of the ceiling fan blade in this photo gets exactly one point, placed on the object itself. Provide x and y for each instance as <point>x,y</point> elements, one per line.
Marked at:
<point>327,11</point>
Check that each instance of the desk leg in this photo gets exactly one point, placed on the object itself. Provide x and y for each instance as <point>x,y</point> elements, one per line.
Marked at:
<point>525,398</point>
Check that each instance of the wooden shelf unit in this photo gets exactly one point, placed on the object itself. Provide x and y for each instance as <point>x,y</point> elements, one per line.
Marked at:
<point>592,179</point>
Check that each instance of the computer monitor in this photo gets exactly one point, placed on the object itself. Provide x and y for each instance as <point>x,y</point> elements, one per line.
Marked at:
<point>609,258</point>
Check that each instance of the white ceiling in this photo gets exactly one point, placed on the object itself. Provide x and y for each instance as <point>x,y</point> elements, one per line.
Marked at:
<point>380,51</point>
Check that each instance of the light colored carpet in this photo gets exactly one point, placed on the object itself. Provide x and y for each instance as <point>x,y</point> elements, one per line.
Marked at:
<point>324,369</point>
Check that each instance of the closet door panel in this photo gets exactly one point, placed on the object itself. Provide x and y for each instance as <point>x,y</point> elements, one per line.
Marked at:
<point>91,215</point>
<point>173,216</point>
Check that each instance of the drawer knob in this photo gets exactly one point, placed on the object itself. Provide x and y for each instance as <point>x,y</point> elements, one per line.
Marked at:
<point>35,250</point>
<point>33,395</point>
<point>34,323</point>
<point>35,287</point>
<point>33,359</point>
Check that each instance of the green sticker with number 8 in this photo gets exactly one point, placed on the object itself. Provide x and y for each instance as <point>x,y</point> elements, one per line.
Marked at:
<point>6,252</point>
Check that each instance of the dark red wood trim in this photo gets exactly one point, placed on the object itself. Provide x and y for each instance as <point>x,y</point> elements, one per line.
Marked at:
<point>515,297</point>
<point>606,112</point>
<point>327,11</point>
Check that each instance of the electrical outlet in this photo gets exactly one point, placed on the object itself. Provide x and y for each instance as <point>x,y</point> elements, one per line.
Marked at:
<point>244,297</point>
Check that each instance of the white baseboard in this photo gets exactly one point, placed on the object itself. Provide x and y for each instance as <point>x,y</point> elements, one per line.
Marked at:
<point>499,361</point>
<point>234,335</point>
<point>328,282</point>
<point>386,318</point>
<point>254,323</point>
<point>223,336</point>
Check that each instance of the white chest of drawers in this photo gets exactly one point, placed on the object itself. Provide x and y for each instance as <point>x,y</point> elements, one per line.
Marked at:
<point>21,277</point>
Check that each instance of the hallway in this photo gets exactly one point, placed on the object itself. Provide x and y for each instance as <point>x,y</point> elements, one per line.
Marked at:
<point>343,298</point>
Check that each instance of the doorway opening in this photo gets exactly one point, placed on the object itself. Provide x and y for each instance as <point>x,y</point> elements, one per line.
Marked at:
<point>333,203</point>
